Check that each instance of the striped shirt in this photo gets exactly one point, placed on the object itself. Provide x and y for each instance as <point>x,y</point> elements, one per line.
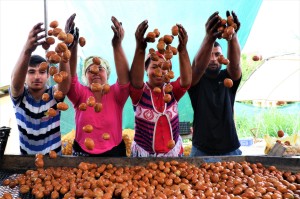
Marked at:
<point>38,133</point>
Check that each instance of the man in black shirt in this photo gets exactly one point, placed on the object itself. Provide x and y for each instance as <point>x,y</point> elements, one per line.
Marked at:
<point>212,102</point>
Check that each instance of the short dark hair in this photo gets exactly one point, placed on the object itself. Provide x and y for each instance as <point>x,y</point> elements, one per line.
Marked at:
<point>147,62</point>
<point>216,44</point>
<point>36,60</point>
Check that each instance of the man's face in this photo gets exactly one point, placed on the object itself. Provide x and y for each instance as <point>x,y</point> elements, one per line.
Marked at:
<point>35,79</point>
<point>214,66</point>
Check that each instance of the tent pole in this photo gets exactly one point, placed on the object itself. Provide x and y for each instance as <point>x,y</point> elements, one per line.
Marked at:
<point>46,17</point>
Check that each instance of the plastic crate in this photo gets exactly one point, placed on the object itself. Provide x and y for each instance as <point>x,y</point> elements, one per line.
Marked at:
<point>246,141</point>
<point>4,133</point>
<point>184,128</point>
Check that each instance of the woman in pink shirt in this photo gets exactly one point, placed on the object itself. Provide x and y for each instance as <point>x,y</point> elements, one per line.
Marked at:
<point>157,121</point>
<point>105,118</point>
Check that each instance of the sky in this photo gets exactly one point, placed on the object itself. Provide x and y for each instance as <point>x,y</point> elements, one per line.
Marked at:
<point>275,30</point>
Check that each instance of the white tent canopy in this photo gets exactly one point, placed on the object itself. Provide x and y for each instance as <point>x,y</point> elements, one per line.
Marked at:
<point>277,79</point>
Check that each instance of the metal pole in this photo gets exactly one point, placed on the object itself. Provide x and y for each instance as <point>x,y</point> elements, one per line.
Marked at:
<point>46,16</point>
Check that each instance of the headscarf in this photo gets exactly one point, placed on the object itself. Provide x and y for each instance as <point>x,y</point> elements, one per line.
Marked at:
<point>89,61</point>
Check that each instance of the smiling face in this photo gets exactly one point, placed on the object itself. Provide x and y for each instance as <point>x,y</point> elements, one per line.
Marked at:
<point>152,71</point>
<point>100,77</point>
<point>214,66</point>
<point>36,80</point>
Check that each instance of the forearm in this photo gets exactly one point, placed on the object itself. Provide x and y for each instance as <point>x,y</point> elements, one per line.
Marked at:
<point>138,68</point>
<point>64,86</point>
<point>185,69</point>
<point>122,66</point>
<point>19,73</point>
<point>73,60</point>
<point>234,56</point>
<point>202,59</point>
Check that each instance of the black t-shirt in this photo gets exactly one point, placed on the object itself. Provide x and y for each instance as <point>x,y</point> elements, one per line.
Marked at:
<point>214,128</point>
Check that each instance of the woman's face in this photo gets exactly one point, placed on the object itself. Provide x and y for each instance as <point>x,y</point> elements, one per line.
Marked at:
<point>155,73</point>
<point>100,77</point>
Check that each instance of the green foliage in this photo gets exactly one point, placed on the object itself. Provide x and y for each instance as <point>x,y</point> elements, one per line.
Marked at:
<point>267,122</point>
<point>248,66</point>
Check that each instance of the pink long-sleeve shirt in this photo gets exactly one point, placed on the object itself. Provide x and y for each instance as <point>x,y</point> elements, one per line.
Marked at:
<point>109,120</point>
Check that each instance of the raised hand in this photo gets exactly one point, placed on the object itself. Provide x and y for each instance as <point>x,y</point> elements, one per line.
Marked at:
<point>70,28</point>
<point>118,32</point>
<point>34,39</point>
<point>141,41</point>
<point>235,18</point>
<point>212,24</point>
<point>183,38</point>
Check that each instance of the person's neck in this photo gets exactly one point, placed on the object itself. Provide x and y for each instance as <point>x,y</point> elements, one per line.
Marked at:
<point>37,94</point>
<point>212,75</point>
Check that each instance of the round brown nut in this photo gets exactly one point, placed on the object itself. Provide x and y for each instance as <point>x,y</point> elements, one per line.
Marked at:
<point>157,90</point>
<point>82,41</point>
<point>53,70</point>
<point>171,144</point>
<point>51,112</point>
<point>50,40</point>
<point>56,31</point>
<point>106,88</point>
<point>106,136</point>
<point>45,97</point>
<point>98,107</point>
<point>96,87</point>
<point>167,98</point>
<point>69,39</point>
<point>82,106</point>
<point>88,128</point>
<point>58,78</point>
<point>91,101</point>
<point>62,36</point>
<point>62,106</point>
<point>53,24</point>
<point>89,143</point>
<point>157,33</point>
<point>45,45</point>
<point>168,39</point>
<point>175,30</point>
<point>52,154</point>
<point>96,60</point>
<point>228,83</point>
<point>43,66</point>
<point>58,95</point>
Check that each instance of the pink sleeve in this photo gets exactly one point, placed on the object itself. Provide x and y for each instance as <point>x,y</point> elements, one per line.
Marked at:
<point>121,92</point>
<point>178,91</point>
<point>75,90</point>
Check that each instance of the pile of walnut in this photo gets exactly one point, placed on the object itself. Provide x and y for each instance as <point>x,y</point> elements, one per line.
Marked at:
<point>170,179</point>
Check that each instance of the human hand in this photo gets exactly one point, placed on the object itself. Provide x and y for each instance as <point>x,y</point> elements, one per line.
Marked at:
<point>141,42</point>
<point>70,28</point>
<point>183,38</point>
<point>118,32</point>
<point>235,19</point>
<point>33,39</point>
<point>212,24</point>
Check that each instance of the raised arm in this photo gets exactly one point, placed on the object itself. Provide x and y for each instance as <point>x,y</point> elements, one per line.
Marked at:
<point>19,72</point>
<point>184,60</point>
<point>138,63</point>
<point>70,28</point>
<point>234,52</point>
<point>64,86</point>
<point>122,66</point>
<point>202,57</point>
